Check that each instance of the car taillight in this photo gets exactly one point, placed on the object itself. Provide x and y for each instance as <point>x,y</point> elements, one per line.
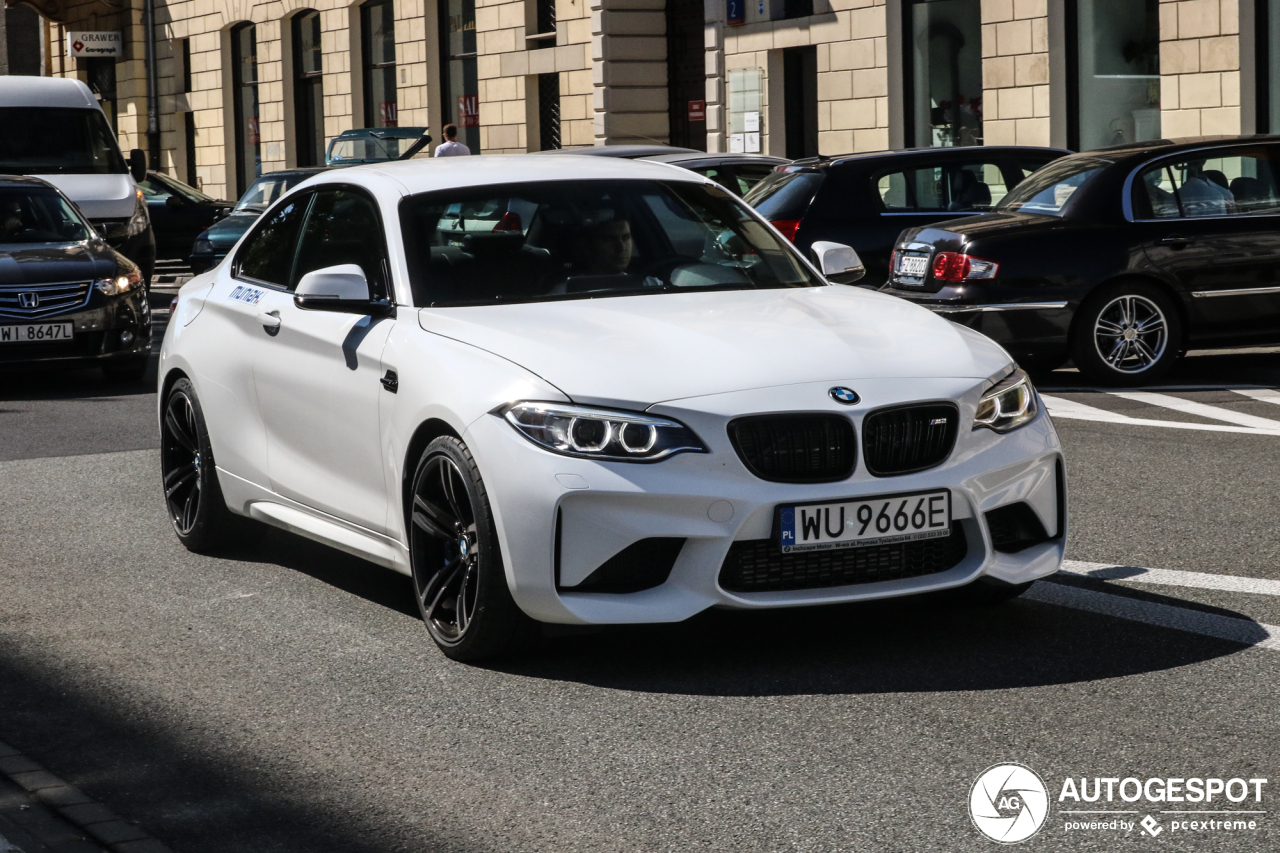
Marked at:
<point>954,266</point>
<point>509,222</point>
<point>893,262</point>
<point>788,227</point>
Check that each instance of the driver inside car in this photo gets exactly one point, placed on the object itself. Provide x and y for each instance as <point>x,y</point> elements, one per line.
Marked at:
<point>605,248</point>
<point>12,221</point>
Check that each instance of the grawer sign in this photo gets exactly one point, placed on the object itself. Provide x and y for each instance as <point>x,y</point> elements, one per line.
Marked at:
<point>94,44</point>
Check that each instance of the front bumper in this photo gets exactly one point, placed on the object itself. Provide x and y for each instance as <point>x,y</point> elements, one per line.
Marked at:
<point>1025,323</point>
<point>98,332</point>
<point>560,518</point>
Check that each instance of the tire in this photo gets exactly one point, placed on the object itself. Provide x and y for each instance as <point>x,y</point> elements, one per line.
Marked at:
<point>458,577</point>
<point>985,592</point>
<point>125,370</point>
<point>193,497</point>
<point>1128,333</point>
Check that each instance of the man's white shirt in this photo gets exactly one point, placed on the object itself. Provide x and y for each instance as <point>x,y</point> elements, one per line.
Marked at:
<point>452,149</point>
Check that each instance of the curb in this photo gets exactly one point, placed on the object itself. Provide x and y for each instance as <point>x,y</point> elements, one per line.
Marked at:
<point>76,807</point>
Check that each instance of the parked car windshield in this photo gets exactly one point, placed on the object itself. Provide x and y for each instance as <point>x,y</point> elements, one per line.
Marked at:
<point>158,186</point>
<point>1049,189</point>
<point>49,140</point>
<point>264,191</point>
<point>584,239</point>
<point>39,215</point>
<point>785,195</point>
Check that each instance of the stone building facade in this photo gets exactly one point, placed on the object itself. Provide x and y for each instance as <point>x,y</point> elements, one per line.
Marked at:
<point>247,87</point>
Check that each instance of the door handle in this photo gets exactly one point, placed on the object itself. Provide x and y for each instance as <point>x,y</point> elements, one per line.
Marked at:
<point>270,321</point>
<point>391,381</point>
<point>1176,241</point>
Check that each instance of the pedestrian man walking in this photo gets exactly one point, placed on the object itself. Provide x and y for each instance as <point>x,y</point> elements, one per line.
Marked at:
<point>451,146</point>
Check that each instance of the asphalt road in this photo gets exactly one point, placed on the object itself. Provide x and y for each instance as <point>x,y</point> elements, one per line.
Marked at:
<point>288,698</point>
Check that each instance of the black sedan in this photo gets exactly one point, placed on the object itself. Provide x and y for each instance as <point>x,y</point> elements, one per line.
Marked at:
<point>865,200</point>
<point>66,297</point>
<point>178,213</point>
<point>1120,259</point>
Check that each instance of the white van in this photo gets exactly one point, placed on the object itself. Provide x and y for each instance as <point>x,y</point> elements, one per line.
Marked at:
<point>55,129</point>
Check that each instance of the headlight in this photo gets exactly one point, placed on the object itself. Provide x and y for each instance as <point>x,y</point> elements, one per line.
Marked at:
<point>202,247</point>
<point>601,433</point>
<point>119,284</point>
<point>1009,405</point>
<point>139,222</point>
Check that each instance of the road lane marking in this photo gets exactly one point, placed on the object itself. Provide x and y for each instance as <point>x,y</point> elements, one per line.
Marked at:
<point>1244,631</point>
<point>1171,577</point>
<point>1266,395</point>
<point>1203,410</point>
<point>1073,410</point>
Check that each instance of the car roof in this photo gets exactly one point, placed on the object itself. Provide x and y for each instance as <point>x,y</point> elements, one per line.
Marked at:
<point>442,173</point>
<point>46,92</point>
<point>627,151</point>
<point>24,181</point>
<point>947,153</point>
<point>1157,147</point>
<point>285,173</point>
<point>695,156</point>
<point>382,133</point>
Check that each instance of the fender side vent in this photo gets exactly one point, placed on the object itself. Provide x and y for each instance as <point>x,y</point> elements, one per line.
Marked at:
<point>639,566</point>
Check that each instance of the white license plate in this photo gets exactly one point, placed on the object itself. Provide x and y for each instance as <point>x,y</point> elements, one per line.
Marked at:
<point>868,521</point>
<point>913,266</point>
<point>34,333</point>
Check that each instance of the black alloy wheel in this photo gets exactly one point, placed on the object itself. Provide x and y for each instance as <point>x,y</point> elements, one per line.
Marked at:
<point>192,495</point>
<point>1129,333</point>
<point>458,577</point>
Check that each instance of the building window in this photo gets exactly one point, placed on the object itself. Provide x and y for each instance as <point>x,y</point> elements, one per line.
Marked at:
<point>459,74</point>
<point>244,93</point>
<point>545,12</point>
<point>308,89</point>
<point>1117,72</point>
<point>800,106</point>
<point>102,82</point>
<point>943,72</point>
<point>189,132</point>
<point>548,112</point>
<point>1266,24</point>
<point>186,65</point>
<point>378,31</point>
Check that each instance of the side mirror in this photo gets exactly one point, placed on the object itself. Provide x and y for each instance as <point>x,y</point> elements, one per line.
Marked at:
<point>839,263</point>
<point>175,201</point>
<point>114,231</point>
<point>341,288</point>
<point>223,213</point>
<point>138,165</point>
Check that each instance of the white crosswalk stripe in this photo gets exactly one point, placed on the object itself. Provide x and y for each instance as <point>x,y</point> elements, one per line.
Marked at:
<point>1266,395</point>
<point>1171,577</point>
<point>1203,410</point>
<point>1060,407</point>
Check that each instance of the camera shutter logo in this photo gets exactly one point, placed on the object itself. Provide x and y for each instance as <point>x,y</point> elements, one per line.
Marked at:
<point>29,300</point>
<point>1008,803</point>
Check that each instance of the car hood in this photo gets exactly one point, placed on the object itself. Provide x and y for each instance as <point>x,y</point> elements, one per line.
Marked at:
<point>224,233</point>
<point>41,264</point>
<point>97,196</point>
<point>640,350</point>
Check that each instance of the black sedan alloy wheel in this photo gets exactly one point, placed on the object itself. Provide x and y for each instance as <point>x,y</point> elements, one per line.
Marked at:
<point>458,577</point>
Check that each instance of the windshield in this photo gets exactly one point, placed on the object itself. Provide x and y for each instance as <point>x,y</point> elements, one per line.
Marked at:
<point>1049,189</point>
<point>367,150</point>
<point>47,141</point>
<point>39,215</point>
<point>785,195</point>
<point>159,187</point>
<point>584,239</point>
<point>266,190</point>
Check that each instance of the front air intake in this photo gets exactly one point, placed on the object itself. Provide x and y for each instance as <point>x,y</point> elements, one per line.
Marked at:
<point>907,439</point>
<point>639,566</point>
<point>1015,527</point>
<point>812,448</point>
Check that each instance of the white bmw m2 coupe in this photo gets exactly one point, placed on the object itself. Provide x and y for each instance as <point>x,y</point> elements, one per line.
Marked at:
<point>589,390</point>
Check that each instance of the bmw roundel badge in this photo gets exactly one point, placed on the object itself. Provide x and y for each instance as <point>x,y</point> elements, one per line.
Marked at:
<point>840,394</point>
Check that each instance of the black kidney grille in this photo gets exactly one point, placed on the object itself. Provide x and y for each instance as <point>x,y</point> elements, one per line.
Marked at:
<point>906,439</point>
<point>758,566</point>
<point>796,448</point>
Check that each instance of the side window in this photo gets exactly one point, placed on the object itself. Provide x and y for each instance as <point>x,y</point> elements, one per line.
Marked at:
<point>747,175</point>
<point>1229,184</point>
<point>959,187</point>
<point>343,227</point>
<point>718,174</point>
<point>267,255</point>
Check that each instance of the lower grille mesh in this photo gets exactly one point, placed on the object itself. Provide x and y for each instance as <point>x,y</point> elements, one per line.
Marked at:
<point>758,566</point>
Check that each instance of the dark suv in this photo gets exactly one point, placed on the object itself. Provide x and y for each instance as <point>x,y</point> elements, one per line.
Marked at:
<point>866,200</point>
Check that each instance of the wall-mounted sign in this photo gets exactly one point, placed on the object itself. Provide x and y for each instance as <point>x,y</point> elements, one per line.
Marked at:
<point>735,12</point>
<point>697,111</point>
<point>86,45</point>
<point>469,110</point>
